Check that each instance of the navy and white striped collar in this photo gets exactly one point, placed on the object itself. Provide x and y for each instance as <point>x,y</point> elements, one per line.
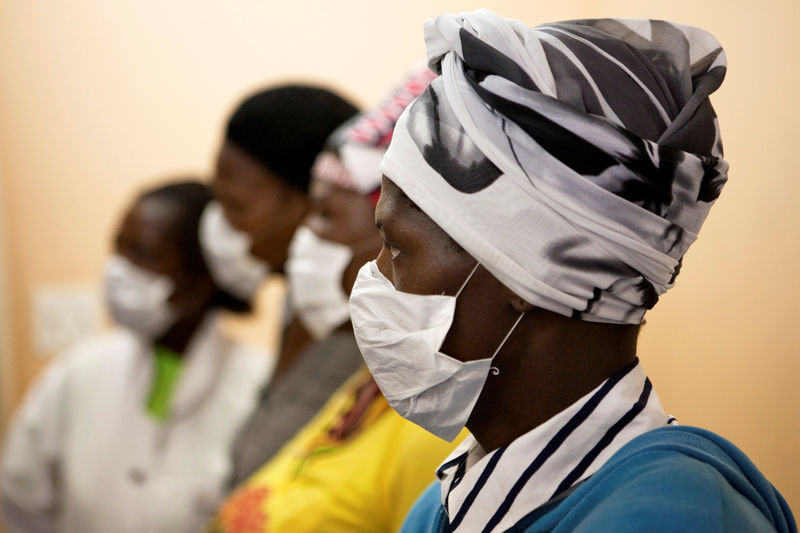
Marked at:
<point>492,492</point>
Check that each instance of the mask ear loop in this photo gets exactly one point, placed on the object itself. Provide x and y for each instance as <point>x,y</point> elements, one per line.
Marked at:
<point>471,272</point>
<point>494,370</point>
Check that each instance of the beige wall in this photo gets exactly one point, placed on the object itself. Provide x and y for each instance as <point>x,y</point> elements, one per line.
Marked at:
<point>7,371</point>
<point>97,98</point>
<point>723,348</point>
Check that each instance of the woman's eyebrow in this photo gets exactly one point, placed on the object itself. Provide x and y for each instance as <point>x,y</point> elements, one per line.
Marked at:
<point>389,227</point>
<point>385,226</point>
<point>408,201</point>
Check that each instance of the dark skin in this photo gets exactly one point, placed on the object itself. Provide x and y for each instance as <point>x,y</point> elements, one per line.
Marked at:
<point>259,202</point>
<point>345,217</point>
<point>547,364</point>
<point>145,237</point>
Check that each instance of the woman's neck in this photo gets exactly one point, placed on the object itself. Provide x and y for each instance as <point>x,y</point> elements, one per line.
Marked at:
<point>547,366</point>
<point>178,337</point>
<point>294,342</point>
<point>274,248</point>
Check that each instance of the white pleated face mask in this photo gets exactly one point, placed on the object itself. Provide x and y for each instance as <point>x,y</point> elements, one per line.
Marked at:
<point>314,270</point>
<point>227,254</point>
<point>137,298</point>
<point>399,335</point>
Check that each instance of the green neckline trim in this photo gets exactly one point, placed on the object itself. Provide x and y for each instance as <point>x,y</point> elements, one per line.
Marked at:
<point>167,370</point>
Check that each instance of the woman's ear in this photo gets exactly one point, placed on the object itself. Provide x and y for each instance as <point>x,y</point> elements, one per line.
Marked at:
<point>518,304</point>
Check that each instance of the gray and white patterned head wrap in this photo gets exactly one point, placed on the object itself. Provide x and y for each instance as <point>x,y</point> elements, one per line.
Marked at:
<point>576,160</point>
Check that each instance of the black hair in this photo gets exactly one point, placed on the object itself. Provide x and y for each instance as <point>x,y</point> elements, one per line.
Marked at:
<point>188,198</point>
<point>285,127</point>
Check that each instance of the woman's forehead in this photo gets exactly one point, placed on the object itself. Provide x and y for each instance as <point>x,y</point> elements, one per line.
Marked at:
<point>321,190</point>
<point>150,219</point>
<point>396,212</point>
<point>393,206</point>
<point>156,212</point>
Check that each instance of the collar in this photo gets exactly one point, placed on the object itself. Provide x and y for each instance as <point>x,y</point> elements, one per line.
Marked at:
<point>201,363</point>
<point>493,491</point>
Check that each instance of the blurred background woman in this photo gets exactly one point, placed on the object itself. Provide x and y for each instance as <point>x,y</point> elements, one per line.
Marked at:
<point>261,178</point>
<point>131,430</point>
<point>357,466</point>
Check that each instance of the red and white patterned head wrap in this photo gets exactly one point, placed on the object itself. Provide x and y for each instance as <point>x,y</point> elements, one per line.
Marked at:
<point>354,152</point>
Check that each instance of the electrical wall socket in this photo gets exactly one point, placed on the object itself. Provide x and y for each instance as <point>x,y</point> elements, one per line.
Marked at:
<point>63,315</point>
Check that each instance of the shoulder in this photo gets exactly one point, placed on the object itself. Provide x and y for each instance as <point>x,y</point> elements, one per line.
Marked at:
<point>411,454</point>
<point>320,370</point>
<point>73,373</point>
<point>102,350</point>
<point>102,345</point>
<point>410,440</point>
<point>424,515</point>
<point>247,363</point>
<point>676,479</point>
<point>408,466</point>
<point>247,357</point>
<point>337,356</point>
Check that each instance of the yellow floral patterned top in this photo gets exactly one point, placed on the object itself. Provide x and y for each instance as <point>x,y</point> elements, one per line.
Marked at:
<point>327,480</point>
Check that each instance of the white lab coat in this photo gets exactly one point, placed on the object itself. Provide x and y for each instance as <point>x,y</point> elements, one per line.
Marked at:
<point>83,455</point>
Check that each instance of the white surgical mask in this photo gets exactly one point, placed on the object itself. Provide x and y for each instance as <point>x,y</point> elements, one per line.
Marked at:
<point>314,270</point>
<point>137,298</point>
<point>227,254</point>
<point>400,335</point>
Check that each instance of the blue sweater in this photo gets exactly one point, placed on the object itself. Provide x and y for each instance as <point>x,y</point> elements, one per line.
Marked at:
<point>673,479</point>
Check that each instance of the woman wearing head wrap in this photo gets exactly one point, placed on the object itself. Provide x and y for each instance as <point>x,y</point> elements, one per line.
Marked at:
<point>538,198</point>
<point>357,466</point>
<point>261,181</point>
<point>131,430</point>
